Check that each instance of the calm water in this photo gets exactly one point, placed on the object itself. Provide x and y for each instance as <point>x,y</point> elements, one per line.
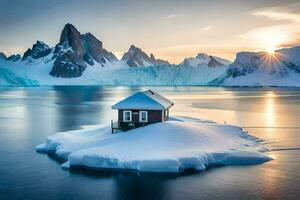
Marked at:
<point>28,116</point>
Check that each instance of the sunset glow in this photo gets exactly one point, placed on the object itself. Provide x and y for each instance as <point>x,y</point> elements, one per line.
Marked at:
<point>199,26</point>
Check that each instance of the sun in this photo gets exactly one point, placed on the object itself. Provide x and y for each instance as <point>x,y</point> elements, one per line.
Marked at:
<point>270,50</point>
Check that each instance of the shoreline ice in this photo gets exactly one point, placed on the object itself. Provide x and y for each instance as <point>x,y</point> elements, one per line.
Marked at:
<point>170,147</point>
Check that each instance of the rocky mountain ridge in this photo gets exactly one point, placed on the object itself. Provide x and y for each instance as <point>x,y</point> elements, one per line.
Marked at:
<point>75,52</point>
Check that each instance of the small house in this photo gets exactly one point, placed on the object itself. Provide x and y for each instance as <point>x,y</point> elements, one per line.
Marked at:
<point>141,109</point>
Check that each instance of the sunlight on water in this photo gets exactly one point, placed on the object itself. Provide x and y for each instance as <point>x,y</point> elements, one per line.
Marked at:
<point>270,109</point>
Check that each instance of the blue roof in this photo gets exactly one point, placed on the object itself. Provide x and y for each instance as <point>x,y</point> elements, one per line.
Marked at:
<point>146,100</point>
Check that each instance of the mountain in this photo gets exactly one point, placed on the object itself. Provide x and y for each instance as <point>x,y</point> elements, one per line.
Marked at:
<point>75,50</point>
<point>14,57</point>
<point>204,59</point>
<point>82,56</point>
<point>135,57</point>
<point>38,50</point>
<point>36,72</point>
<point>2,56</point>
<point>95,50</point>
<point>81,59</point>
<point>262,69</point>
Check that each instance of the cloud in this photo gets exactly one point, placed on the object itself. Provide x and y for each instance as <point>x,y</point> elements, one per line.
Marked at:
<point>205,28</point>
<point>172,16</point>
<point>270,36</point>
<point>284,33</point>
<point>276,15</point>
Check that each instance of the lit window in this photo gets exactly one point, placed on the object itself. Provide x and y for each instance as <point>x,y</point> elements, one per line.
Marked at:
<point>143,116</point>
<point>127,116</point>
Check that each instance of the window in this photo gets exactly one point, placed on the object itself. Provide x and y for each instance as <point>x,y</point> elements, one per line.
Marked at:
<point>127,116</point>
<point>143,116</point>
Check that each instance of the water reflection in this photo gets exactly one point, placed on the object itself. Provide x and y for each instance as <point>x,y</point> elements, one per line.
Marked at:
<point>29,115</point>
<point>270,111</point>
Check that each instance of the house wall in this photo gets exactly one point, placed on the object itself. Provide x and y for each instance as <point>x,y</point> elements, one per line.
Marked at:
<point>166,114</point>
<point>153,116</point>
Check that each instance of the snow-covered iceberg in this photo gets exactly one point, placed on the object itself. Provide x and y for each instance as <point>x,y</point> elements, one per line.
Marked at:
<point>172,146</point>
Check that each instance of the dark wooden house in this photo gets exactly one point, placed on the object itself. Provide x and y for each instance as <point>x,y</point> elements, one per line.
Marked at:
<point>140,109</point>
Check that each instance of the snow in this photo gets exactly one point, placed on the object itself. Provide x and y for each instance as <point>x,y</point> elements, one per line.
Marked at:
<point>147,100</point>
<point>113,73</point>
<point>262,69</point>
<point>221,60</point>
<point>291,54</point>
<point>203,59</point>
<point>7,78</point>
<point>173,146</point>
<point>248,69</point>
<point>264,79</point>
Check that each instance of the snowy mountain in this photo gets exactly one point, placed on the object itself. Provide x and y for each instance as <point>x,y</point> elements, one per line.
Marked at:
<point>81,59</point>
<point>75,50</point>
<point>204,59</point>
<point>14,57</point>
<point>135,57</point>
<point>38,50</point>
<point>262,69</point>
<point>2,56</point>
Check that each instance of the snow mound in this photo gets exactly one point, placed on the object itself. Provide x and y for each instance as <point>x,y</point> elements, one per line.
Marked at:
<point>172,146</point>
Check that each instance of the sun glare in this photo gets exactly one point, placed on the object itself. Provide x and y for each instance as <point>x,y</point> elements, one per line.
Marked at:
<point>270,50</point>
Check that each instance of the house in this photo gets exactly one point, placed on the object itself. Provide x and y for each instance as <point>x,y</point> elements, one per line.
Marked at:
<point>140,109</point>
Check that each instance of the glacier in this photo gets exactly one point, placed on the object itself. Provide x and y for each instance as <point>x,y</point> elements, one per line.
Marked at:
<point>8,78</point>
<point>169,147</point>
<point>115,73</point>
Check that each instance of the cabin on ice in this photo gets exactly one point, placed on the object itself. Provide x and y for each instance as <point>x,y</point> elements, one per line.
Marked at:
<point>141,109</point>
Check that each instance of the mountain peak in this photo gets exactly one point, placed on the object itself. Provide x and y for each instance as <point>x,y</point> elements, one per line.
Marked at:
<point>2,56</point>
<point>69,34</point>
<point>94,48</point>
<point>39,42</point>
<point>90,40</point>
<point>152,57</point>
<point>202,55</point>
<point>135,57</point>
<point>14,57</point>
<point>75,50</point>
<point>134,48</point>
<point>205,59</point>
<point>70,27</point>
<point>38,50</point>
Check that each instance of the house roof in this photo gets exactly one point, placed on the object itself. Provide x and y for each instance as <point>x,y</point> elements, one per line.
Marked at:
<point>146,100</point>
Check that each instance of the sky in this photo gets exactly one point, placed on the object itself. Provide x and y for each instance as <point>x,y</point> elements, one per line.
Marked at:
<point>171,30</point>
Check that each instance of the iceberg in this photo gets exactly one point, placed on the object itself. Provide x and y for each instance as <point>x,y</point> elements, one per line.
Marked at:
<point>173,146</point>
